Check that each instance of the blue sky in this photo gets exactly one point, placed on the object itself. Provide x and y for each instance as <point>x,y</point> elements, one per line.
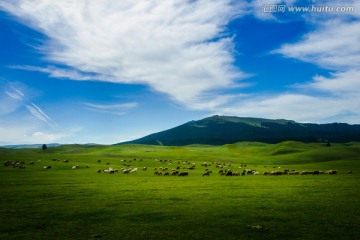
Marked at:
<point>110,71</point>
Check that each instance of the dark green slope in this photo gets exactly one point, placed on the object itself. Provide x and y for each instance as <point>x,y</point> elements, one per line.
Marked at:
<point>218,130</point>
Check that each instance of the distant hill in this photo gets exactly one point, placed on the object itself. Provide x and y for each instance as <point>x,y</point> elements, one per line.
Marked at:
<point>219,130</point>
<point>20,146</point>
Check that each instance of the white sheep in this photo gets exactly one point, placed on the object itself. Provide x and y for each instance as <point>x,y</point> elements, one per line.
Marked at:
<point>134,170</point>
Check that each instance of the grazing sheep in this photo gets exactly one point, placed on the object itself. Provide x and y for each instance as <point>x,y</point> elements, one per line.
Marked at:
<point>108,170</point>
<point>8,163</point>
<point>133,170</point>
<point>166,174</point>
<point>16,164</point>
<point>32,163</point>
<point>275,173</point>
<point>206,174</point>
<point>332,172</point>
<point>183,174</point>
<point>249,171</point>
<point>144,168</point>
<point>99,171</point>
<point>174,173</point>
<point>256,173</point>
<point>47,167</point>
<point>74,167</point>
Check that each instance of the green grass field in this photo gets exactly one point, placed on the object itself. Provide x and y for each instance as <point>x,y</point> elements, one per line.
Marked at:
<point>61,203</point>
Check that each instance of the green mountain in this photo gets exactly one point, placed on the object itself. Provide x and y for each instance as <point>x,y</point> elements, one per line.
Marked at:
<point>219,130</point>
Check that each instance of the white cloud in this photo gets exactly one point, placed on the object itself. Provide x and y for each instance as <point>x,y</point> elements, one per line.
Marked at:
<point>333,45</point>
<point>176,47</point>
<point>180,48</point>
<point>13,99</point>
<point>298,107</point>
<point>117,109</point>
<point>57,72</point>
<point>340,83</point>
<point>14,93</point>
<point>38,113</point>
<point>334,41</point>
<point>13,133</point>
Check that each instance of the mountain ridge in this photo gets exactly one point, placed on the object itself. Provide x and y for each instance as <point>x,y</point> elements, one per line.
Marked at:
<point>219,130</point>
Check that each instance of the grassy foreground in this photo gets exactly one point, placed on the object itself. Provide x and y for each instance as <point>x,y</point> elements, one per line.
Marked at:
<point>61,203</point>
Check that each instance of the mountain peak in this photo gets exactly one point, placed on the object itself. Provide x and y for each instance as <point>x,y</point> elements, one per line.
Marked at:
<point>252,121</point>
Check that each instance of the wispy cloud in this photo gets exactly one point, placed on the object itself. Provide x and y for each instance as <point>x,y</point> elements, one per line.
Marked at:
<point>333,45</point>
<point>181,48</point>
<point>57,72</point>
<point>14,133</point>
<point>177,47</point>
<point>117,109</point>
<point>333,42</point>
<point>14,93</point>
<point>339,83</point>
<point>38,113</point>
<point>299,107</point>
<point>13,99</point>
<point>15,124</point>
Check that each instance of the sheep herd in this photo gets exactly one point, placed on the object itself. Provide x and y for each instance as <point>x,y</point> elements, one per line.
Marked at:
<point>183,168</point>
<point>180,168</point>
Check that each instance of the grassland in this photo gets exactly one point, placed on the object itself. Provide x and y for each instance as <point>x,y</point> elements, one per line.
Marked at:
<point>60,203</point>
